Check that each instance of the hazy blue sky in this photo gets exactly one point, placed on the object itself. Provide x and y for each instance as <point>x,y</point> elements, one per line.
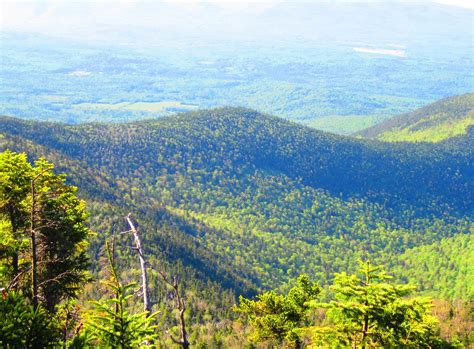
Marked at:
<point>17,13</point>
<point>109,20</point>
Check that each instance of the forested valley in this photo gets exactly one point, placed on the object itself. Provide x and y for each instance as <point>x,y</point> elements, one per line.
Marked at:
<point>257,232</point>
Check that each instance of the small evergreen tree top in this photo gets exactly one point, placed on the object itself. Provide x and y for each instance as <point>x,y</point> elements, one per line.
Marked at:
<point>280,317</point>
<point>369,312</point>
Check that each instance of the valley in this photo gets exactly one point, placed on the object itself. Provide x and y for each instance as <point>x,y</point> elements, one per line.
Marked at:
<point>246,175</point>
<point>299,194</point>
<point>243,202</point>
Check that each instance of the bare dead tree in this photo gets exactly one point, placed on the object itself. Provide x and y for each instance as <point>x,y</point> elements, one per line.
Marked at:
<point>180,302</point>
<point>180,305</point>
<point>143,264</point>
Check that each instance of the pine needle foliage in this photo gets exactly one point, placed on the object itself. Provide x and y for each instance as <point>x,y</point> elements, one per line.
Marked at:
<point>111,323</point>
<point>370,312</point>
<point>277,317</point>
<point>25,326</point>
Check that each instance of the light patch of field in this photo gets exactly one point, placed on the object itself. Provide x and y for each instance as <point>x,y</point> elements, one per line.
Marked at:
<point>345,124</point>
<point>80,73</point>
<point>101,106</point>
<point>158,106</point>
<point>55,98</point>
<point>380,51</point>
<point>164,106</point>
<point>206,62</point>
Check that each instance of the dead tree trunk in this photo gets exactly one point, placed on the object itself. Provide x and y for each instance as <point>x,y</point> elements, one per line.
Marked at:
<point>138,247</point>
<point>181,306</point>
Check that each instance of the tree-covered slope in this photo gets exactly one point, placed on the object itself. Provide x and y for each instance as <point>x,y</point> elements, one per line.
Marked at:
<point>445,268</point>
<point>262,198</point>
<point>233,138</point>
<point>441,120</point>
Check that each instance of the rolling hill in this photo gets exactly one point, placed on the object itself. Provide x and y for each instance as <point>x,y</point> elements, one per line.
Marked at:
<point>249,201</point>
<point>436,122</point>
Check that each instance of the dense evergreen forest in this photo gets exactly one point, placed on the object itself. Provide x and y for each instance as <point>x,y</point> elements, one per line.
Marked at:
<point>233,203</point>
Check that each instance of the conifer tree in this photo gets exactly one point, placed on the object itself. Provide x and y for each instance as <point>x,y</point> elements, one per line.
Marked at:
<point>15,177</point>
<point>43,232</point>
<point>370,312</point>
<point>25,326</point>
<point>58,222</point>
<point>280,317</point>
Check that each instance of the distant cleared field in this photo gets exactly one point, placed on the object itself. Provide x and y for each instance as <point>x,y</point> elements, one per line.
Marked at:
<point>164,106</point>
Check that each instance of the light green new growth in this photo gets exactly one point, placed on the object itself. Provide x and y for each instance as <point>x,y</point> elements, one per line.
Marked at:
<point>432,134</point>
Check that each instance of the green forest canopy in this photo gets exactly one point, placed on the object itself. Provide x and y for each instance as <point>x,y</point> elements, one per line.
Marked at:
<point>239,214</point>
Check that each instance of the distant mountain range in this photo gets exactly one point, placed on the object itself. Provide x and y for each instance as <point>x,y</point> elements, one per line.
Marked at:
<point>361,22</point>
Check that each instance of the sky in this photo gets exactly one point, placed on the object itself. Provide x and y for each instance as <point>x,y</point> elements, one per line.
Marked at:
<point>461,3</point>
<point>49,16</point>
<point>6,4</point>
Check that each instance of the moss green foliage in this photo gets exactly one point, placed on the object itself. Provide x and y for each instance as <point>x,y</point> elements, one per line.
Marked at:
<point>439,121</point>
<point>15,177</point>
<point>436,133</point>
<point>241,202</point>
<point>37,202</point>
<point>61,236</point>
<point>367,311</point>
<point>308,201</point>
<point>43,259</point>
<point>444,269</point>
<point>280,317</point>
<point>175,238</point>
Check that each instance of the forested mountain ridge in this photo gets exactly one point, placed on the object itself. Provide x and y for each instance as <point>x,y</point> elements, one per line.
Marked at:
<point>235,202</point>
<point>59,305</point>
<point>232,137</point>
<point>438,121</point>
<point>108,207</point>
<point>268,197</point>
